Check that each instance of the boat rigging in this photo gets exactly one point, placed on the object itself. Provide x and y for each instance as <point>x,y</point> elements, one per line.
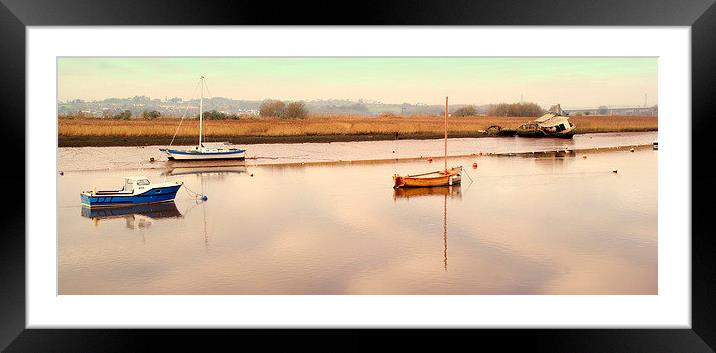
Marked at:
<point>203,151</point>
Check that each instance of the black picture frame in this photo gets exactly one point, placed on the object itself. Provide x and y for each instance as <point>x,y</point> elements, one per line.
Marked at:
<point>700,15</point>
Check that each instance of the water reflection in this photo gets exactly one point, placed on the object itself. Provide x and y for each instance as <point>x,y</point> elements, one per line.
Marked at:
<point>454,192</point>
<point>218,168</point>
<point>201,171</point>
<point>445,231</point>
<point>294,230</point>
<point>136,217</point>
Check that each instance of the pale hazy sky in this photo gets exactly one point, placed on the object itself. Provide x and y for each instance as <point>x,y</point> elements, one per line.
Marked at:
<point>573,82</point>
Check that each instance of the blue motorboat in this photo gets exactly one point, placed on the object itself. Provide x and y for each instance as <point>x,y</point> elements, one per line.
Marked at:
<point>136,191</point>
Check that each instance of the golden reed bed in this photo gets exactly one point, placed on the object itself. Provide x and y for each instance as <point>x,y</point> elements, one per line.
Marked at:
<point>339,125</point>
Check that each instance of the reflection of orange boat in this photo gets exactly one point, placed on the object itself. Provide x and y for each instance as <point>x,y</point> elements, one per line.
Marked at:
<point>406,193</point>
<point>445,177</point>
<point>439,178</point>
<point>445,231</point>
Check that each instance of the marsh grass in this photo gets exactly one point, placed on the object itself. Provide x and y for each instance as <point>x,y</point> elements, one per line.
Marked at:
<point>331,125</point>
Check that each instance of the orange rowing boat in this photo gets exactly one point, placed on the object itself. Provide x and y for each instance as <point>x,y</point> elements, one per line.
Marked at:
<point>438,178</point>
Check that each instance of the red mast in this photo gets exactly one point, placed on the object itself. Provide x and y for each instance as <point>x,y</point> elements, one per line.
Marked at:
<point>446,116</point>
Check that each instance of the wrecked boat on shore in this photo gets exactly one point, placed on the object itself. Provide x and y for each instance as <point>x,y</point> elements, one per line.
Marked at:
<point>553,124</point>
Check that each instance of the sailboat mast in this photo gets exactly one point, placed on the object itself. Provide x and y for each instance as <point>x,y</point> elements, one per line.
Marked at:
<point>201,111</point>
<point>446,116</point>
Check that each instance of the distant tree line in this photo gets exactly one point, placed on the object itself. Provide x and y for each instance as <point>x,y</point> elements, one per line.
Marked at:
<point>279,109</point>
<point>503,109</point>
<point>297,110</point>
<point>216,115</point>
<point>470,110</point>
<point>515,109</point>
<point>75,115</point>
<point>149,115</point>
<point>125,115</point>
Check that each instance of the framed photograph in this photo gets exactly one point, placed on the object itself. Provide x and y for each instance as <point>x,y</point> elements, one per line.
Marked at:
<point>538,170</point>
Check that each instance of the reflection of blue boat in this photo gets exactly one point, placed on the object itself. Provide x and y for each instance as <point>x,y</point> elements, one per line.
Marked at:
<point>205,169</point>
<point>136,217</point>
<point>155,211</point>
<point>136,191</point>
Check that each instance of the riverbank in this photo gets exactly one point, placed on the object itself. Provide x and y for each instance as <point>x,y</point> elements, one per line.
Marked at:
<point>140,132</point>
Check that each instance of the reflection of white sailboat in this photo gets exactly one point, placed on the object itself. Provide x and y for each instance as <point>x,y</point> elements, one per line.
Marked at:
<point>204,151</point>
<point>207,170</point>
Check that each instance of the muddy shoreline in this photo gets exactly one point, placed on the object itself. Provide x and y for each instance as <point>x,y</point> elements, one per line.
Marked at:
<point>536,154</point>
<point>113,141</point>
<point>150,157</point>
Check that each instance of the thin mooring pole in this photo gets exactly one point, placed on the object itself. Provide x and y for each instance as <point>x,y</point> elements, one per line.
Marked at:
<point>446,114</point>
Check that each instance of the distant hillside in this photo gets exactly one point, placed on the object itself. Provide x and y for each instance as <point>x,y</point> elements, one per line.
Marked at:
<point>177,107</point>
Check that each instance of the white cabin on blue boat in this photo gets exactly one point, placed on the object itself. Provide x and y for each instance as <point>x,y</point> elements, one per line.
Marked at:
<point>137,190</point>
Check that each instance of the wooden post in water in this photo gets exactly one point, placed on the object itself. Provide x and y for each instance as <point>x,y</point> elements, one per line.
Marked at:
<point>446,116</point>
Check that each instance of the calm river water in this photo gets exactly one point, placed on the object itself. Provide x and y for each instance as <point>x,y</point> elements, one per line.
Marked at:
<point>555,225</point>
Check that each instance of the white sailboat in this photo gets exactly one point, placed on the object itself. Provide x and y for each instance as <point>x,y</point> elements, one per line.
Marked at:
<point>203,150</point>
